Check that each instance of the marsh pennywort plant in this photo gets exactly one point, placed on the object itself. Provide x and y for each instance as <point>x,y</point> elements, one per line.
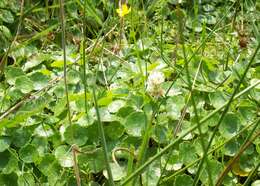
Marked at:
<point>35,134</point>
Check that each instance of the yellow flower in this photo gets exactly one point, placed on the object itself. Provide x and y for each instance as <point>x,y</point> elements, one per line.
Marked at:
<point>124,10</point>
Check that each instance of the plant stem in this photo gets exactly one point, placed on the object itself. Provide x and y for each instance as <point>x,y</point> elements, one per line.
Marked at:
<point>84,59</point>
<point>246,144</point>
<point>209,152</point>
<point>253,172</point>
<point>4,58</point>
<point>168,147</point>
<point>224,113</point>
<point>63,26</point>
<point>143,148</point>
<point>103,140</point>
<point>181,30</point>
<point>75,165</point>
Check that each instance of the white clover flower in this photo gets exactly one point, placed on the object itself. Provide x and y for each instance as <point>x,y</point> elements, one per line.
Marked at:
<point>155,78</point>
<point>154,82</point>
<point>114,86</point>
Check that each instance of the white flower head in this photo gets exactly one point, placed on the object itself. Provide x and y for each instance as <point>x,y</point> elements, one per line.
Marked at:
<point>113,86</point>
<point>155,78</point>
<point>154,82</point>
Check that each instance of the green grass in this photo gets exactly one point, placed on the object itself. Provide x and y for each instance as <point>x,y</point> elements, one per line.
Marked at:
<point>165,95</point>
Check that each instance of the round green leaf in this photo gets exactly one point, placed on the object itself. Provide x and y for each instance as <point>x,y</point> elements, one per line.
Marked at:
<point>183,180</point>
<point>73,77</point>
<point>230,125</point>
<point>44,131</point>
<point>118,172</point>
<point>6,32</point>
<point>7,16</point>
<point>8,179</point>
<point>175,162</point>
<point>29,154</point>
<point>41,144</point>
<point>208,8</point>
<point>215,169</point>
<point>35,60</point>
<point>187,152</point>
<point>125,111</point>
<point>174,106</point>
<point>231,148</point>
<point>135,101</point>
<point>8,162</point>
<point>64,156</point>
<point>59,90</point>
<point>4,157</point>
<point>4,143</point>
<point>20,137</point>
<point>135,124</point>
<point>217,99</point>
<point>92,160</point>
<point>39,80</point>
<point>213,121</point>
<point>105,115</point>
<point>211,20</point>
<point>247,162</point>
<point>24,84</point>
<point>49,166</point>
<point>75,134</point>
<point>12,73</point>
<point>115,106</point>
<point>93,133</point>
<point>151,177</point>
<point>114,130</point>
<point>248,113</point>
<point>26,179</point>
<point>256,183</point>
<point>160,134</point>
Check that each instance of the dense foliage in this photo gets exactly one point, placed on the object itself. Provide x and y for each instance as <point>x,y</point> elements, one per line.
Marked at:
<point>150,92</point>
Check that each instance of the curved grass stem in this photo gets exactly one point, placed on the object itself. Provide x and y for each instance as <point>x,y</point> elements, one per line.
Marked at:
<point>168,147</point>
<point>166,179</point>
<point>63,27</point>
<point>103,140</point>
<point>224,113</point>
<point>245,145</point>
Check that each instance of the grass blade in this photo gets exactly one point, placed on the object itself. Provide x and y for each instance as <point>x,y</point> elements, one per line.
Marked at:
<point>103,140</point>
<point>168,147</point>
<point>63,27</point>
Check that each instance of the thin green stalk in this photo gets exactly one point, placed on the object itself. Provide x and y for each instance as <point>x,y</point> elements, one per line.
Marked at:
<point>243,147</point>
<point>18,29</point>
<point>167,61</point>
<point>103,140</point>
<point>252,174</point>
<point>211,151</point>
<point>211,33</point>
<point>130,164</point>
<point>13,152</point>
<point>184,111</point>
<point>192,99</point>
<point>143,148</point>
<point>178,126</point>
<point>161,32</point>
<point>84,59</point>
<point>75,165</point>
<point>141,155</point>
<point>224,113</point>
<point>47,9</point>
<point>62,15</point>
<point>168,147</point>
